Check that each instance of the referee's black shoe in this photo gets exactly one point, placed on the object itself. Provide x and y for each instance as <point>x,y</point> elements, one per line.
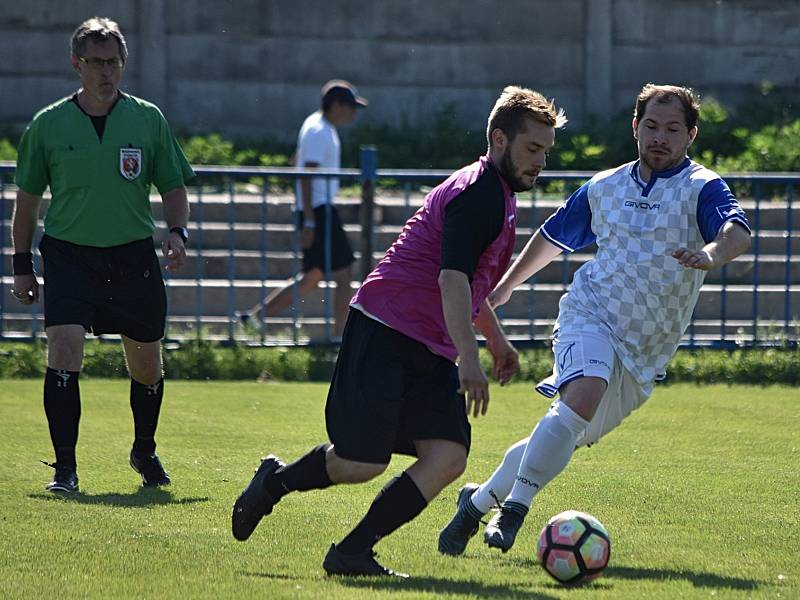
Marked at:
<point>65,479</point>
<point>255,501</point>
<point>363,563</point>
<point>150,468</point>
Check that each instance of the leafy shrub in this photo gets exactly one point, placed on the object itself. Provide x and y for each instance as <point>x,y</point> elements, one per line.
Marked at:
<point>206,360</point>
<point>104,360</point>
<point>761,133</point>
<point>772,148</point>
<point>23,360</point>
<point>442,143</point>
<point>8,151</point>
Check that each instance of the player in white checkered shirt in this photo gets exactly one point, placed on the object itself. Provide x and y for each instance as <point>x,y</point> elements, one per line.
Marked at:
<point>660,223</point>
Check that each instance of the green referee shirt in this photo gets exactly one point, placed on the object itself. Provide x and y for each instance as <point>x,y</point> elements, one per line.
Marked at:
<point>100,189</point>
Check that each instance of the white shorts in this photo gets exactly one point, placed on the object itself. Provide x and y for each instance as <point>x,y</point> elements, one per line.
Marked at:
<point>590,354</point>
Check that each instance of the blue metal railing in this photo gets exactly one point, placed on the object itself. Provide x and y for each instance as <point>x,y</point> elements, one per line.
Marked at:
<point>768,278</point>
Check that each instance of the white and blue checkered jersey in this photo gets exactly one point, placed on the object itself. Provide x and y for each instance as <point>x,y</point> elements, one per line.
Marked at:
<point>632,287</point>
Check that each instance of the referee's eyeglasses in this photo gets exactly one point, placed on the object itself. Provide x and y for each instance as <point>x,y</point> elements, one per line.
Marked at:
<point>97,64</point>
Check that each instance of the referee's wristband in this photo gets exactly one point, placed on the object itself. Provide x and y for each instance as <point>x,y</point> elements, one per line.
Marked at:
<point>23,263</point>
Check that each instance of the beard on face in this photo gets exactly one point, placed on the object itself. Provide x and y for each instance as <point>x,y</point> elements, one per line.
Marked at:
<point>667,161</point>
<point>650,164</point>
<point>508,171</point>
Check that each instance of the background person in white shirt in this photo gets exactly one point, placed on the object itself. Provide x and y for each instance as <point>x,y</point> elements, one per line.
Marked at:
<point>318,146</point>
<point>660,223</point>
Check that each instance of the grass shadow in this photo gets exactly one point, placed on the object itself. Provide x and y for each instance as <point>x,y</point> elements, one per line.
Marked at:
<point>709,580</point>
<point>444,586</point>
<point>606,581</point>
<point>141,498</point>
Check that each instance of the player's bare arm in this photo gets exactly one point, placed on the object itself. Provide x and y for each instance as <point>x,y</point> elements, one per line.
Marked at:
<point>26,213</point>
<point>504,356</point>
<point>457,308</point>
<point>732,240</point>
<point>176,214</point>
<point>537,254</point>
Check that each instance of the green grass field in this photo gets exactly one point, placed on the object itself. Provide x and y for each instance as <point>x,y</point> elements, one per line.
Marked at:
<point>700,491</point>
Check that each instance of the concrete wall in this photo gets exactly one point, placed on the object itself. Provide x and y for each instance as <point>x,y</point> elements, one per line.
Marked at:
<point>254,67</point>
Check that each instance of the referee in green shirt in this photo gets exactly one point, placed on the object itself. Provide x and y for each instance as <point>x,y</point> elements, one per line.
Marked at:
<point>99,151</point>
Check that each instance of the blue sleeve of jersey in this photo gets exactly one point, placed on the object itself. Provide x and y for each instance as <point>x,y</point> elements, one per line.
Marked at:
<point>570,227</point>
<point>717,205</point>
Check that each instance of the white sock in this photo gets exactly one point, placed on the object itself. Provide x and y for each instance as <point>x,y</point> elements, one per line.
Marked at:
<point>501,481</point>
<point>548,452</point>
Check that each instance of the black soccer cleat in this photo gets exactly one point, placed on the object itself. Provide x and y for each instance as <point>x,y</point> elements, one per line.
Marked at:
<point>65,479</point>
<point>150,468</point>
<point>501,532</point>
<point>454,537</point>
<point>361,564</point>
<point>255,501</point>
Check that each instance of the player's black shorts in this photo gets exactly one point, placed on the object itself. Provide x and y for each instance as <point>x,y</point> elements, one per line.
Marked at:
<point>107,290</point>
<point>340,249</point>
<point>389,390</point>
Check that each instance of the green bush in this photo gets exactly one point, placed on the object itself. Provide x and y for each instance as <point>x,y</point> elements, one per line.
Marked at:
<point>772,148</point>
<point>761,133</point>
<point>442,143</point>
<point>104,359</point>
<point>8,151</point>
<point>213,149</point>
<point>207,360</point>
<point>22,360</point>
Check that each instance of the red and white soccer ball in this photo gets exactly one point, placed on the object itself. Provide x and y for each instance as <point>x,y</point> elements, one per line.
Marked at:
<point>573,547</point>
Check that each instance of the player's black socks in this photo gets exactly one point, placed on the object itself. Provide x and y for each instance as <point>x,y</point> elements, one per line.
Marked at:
<point>396,504</point>
<point>306,473</point>
<point>62,406</point>
<point>146,406</point>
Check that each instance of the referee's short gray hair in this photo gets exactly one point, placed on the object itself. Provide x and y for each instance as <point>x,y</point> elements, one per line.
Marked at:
<point>517,104</point>
<point>98,29</point>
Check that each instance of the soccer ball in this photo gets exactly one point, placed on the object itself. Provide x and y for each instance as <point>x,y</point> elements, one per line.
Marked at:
<point>573,547</point>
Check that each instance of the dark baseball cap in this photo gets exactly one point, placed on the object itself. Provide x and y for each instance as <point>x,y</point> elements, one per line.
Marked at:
<point>342,91</point>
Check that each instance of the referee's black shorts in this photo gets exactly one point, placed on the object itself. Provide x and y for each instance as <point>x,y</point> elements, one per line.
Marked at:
<point>388,391</point>
<point>340,250</point>
<point>107,290</point>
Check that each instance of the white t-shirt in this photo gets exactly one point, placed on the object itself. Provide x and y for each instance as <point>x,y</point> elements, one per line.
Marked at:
<point>318,142</point>
<point>633,287</point>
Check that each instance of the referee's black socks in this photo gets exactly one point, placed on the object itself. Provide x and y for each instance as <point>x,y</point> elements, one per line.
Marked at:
<point>62,406</point>
<point>146,406</point>
<point>396,504</point>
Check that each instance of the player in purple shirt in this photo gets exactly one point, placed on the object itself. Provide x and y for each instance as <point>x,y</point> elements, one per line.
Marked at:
<point>397,387</point>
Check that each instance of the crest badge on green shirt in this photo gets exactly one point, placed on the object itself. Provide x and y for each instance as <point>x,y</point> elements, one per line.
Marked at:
<point>130,163</point>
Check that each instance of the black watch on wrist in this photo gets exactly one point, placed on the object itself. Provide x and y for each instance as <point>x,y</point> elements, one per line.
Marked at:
<point>181,231</point>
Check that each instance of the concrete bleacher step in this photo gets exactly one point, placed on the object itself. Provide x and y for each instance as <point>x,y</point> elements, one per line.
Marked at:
<point>251,264</point>
<point>242,263</point>
<point>221,263</point>
<point>392,208</point>
<point>277,236</point>
<point>217,297</point>
<point>317,330</point>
